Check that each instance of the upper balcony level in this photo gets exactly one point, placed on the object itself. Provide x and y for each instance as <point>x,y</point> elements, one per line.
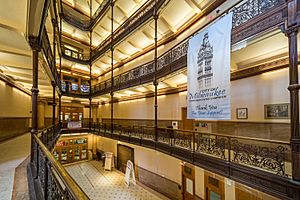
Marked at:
<point>130,43</point>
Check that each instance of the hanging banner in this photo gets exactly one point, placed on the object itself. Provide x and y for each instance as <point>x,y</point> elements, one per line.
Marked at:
<point>208,69</point>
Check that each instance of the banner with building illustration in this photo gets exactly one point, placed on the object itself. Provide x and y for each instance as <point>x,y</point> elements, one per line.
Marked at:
<point>208,69</point>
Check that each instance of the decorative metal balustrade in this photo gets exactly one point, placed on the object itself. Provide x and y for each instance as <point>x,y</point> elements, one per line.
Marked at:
<point>141,16</point>
<point>46,48</point>
<point>84,24</point>
<point>54,181</point>
<point>167,63</point>
<point>249,9</point>
<point>267,155</point>
<point>175,59</point>
<point>50,135</point>
<point>246,11</point>
<point>75,56</point>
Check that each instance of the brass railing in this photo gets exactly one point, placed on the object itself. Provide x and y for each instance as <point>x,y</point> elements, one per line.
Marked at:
<point>54,181</point>
<point>263,154</point>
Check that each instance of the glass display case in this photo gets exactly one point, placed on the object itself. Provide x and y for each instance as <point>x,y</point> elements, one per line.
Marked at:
<point>71,149</point>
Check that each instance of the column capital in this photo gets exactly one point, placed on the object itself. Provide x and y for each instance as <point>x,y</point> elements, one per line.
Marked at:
<point>34,43</point>
<point>34,90</point>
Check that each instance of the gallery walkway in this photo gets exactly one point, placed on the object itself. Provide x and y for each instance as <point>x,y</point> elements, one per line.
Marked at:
<point>13,174</point>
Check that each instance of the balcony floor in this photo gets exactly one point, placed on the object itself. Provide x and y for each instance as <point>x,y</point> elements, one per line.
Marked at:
<point>107,185</point>
<point>12,154</point>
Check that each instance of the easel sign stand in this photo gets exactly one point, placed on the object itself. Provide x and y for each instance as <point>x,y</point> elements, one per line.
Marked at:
<point>108,161</point>
<point>129,172</point>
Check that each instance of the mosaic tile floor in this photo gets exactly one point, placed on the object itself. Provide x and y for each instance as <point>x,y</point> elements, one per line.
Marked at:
<point>106,185</point>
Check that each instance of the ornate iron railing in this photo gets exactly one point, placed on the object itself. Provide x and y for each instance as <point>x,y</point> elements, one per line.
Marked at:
<point>175,58</point>
<point>85,25</point>
<point>268,155</point>
<point>46,48</point>
<point>133,22</point>
<point>75,56</point>
<point>242,13</point>
<point>167,63</point>
<point>50,135</point>
<point>249,9</point>
<point>55,182</point>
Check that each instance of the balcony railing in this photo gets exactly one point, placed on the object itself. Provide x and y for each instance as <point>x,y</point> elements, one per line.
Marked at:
<point>137,19</point>
<point>169,62</point>
<point>266,155</point>
<point>54,181</point>
<point>46,48</point>
<point>75,56</point>
<point>253,161</point>
<point>246,11</point>
<point>87,24</point>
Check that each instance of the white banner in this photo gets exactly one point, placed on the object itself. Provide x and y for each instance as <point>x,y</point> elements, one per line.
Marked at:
<point>208,69</point>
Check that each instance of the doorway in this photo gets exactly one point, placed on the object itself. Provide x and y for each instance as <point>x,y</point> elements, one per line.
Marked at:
<point>187,124</point>
<point>188,182</point>
<point>124,153</point>
<point>214,187</point>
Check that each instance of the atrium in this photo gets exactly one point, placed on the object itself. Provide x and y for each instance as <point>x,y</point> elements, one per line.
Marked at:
<point>149,99</point>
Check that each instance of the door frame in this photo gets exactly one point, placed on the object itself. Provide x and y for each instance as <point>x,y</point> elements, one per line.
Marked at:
<point>190,175</point>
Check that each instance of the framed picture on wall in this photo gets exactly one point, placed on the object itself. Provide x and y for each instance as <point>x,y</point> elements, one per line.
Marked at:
<point>242,113</point>
<point>277,111</point>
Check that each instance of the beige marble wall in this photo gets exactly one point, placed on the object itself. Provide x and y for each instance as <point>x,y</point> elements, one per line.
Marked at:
<point>15,107</point>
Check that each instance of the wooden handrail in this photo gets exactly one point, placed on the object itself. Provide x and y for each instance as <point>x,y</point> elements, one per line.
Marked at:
<point>71,185</point>
<point>214,134</point>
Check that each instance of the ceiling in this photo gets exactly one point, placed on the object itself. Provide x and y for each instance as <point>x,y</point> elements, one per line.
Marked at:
<point>15,52</point>
<point>16,56</point>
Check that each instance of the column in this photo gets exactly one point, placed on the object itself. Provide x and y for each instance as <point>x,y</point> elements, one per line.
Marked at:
<point>95,112</point>
<point>59,100</point>
<point>53,103</point>
<point>112,68</point>
<point>155,83</point>
<point>35,91</point>
<point>41,113</point>
<point>291,31</point>
<point>90,83</point>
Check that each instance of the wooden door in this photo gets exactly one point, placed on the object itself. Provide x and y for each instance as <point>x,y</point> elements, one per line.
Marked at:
<point>188,182</point>
<point>188,124</point>
<point>214,188</point>
<point>124,153</point>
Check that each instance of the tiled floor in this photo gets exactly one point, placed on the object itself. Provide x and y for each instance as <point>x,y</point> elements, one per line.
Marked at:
<point>12,153</point>
<point>106,185</point>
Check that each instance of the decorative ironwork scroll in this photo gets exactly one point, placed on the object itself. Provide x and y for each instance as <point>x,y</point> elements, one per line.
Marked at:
<point>264,157</point>
<point>211,145</point>
<point>250,9</point>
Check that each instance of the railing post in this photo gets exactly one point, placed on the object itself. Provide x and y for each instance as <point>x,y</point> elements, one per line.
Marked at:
<point>229,149</point>
<point>193,140</point>
<point>46,178</point>
<point>37,162</point>
<point>53,108</point>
